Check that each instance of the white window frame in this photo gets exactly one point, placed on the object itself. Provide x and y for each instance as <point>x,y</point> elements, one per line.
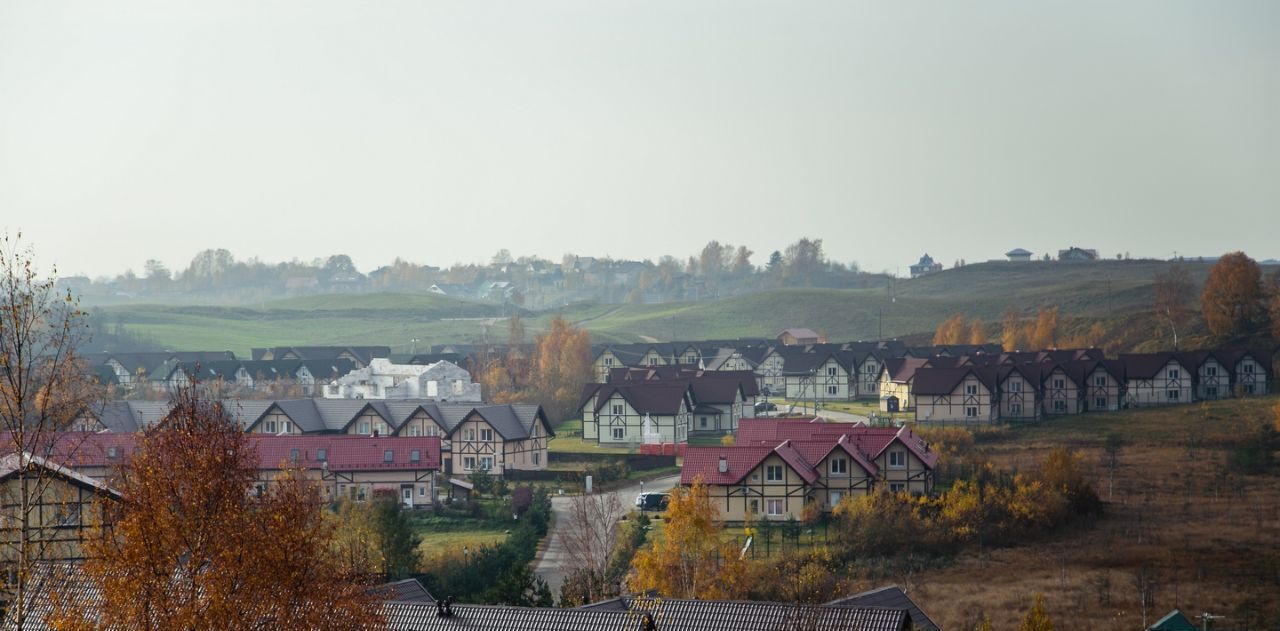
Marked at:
<point>486,435</point>
<point>897,459</point>
<point>619,433</point>
<point>468,463</point>
<point>773,508</point>
<point>770,470</point>
<point>971,389</point>
<point>839,466</point>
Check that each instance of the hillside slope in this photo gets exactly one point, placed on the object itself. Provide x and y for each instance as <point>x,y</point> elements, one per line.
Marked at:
<point>1119,293</point>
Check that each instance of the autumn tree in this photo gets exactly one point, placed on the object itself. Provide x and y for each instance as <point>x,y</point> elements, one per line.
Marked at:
<point>1044,334</point>
<point>951,331</point>
<point>1037,619</point>
<point>43,388</point>
<point>1012,337</point>
<point>194,547</point>
<point>562,367</point>
<point>689,561</point>
<point>1173,294</point>
<point>1232,297</point>
<point>977,332</point>
<point>1273,305</point>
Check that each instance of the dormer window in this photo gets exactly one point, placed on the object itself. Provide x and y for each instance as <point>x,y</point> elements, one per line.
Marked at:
<point>294,455</point>
<point>388,456</point>
<point>112,452</point>
<point>322,454</point>
<point>415,456</point>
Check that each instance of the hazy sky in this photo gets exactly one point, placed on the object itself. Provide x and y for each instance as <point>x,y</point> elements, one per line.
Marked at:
<point>443,131</point>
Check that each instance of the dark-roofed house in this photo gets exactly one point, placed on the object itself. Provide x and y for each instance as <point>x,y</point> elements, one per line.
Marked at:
<point>962,394</point>
<point>64,582</point>
<point>815,376</point>
<point>1020,392</point>
<point>925,265</point>
<point>1156,379</point>
<point>1064,387</point>
<point>890,597</point>
<point>896,377</point>
<point>635,412</point>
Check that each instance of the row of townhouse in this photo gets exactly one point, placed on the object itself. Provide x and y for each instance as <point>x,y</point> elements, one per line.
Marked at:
<point>304,366</point>
<point>816,371</point>
<point>665,404</point>
<point>342,466</point>
<point>1026,386</point>
<point>778,466</point>
<point>495,438</point>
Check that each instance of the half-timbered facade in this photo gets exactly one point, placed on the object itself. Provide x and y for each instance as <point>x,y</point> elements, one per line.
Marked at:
<point>652,411</point>
<point>1064,389</point>
<point>1156,379</point>
<point>1020,392</point>
<point>945,395</point>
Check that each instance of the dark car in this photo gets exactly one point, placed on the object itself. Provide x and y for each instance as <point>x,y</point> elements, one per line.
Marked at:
<point>765,406</point>
<point>652,501</point>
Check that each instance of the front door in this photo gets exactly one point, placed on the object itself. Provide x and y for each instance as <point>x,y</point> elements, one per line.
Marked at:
<point>406,494</point>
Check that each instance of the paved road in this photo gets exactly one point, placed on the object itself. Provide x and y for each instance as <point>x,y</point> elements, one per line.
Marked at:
<point>552,565</point>
<point>843,417</point>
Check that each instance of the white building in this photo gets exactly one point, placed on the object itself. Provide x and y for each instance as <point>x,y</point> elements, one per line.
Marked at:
<point>441,381</point>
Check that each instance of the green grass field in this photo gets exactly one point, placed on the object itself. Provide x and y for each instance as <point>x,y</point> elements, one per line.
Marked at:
<point>1113,290</point>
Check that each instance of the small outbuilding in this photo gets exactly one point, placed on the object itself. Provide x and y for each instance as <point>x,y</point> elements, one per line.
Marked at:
<point>1018,255</point>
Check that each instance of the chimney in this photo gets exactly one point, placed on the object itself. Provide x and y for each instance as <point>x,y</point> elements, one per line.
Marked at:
<point>724,464</point>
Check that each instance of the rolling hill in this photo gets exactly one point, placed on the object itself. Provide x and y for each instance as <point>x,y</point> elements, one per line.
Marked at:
<point>1114,292</point>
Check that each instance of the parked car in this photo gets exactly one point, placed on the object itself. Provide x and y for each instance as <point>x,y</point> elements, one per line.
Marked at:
<point>765,406</point>
<point>652,501</point>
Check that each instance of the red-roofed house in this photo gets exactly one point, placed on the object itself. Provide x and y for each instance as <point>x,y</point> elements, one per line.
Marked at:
<point>780,465</point>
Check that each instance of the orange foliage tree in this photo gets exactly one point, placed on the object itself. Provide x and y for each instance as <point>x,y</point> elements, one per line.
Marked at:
<point>951,331</point>
<point>689,561</point>
<point>977,332</point>
<point>562,366</point>
<point>193,548</point>
<point>1045,333</point>
<point>1232,297</point>
<point>1012,337</point>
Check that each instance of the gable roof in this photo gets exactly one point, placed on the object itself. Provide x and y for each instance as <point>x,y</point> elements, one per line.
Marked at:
<point>890,597</point>
<point>1173,621</point>
<point>1146,365</point>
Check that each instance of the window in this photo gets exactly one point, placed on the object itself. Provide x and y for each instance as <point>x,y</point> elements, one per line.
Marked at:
<point>755,506</point>
<point>322,454</point>
<point>831,371</point>
<point>1100,381</point>
<point>1059,383</point>
<point>1211,392</point>
<point>360,494</point>
<point>1174,374</point>
<point>468,463</point>
<point>271,427</point>
<point>415,456</point>
<point>364,427</point>
<point>68,515</point>
<point>839,465</point>
<point>1015,386</point>
<point>897,487</point>
<point>831,390</point>
<point>295,455</point>
<point>608,361</point>
<point>1059,406</point>
<point>537,459</point>
<point>470,434</point>
<point>486,435</point>
<point>1015,409</point>
<point>1173,395</point>
<point>1100,403</point>
<point>1211,371</point>
<point>653,361</point>
<point>388,456</point>
<point>836,496</point>
<point>971,389</point>
<point>702,422</point>
<point>1248,388</point>
<point>971,412</point>
<point>617,410</point>
<point>486,463</point>
<point>1246,369</point>
<point>898,459</point>
<point>618,433</point>
<point>773,473</point>
<point>414,431</point>
<point>284,427</point>
<point>774,508</point>
<point>111,452</point>
<point>422,490</point>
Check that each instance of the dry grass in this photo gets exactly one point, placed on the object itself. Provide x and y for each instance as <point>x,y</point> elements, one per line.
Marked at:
<point>1208,535</point>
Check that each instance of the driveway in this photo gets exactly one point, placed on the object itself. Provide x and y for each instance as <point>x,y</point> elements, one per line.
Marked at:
<point>552,565</point>
<point>834,415</point>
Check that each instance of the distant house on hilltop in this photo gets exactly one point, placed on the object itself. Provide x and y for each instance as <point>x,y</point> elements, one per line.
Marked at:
<point>1018,255</point>
<point>800,337</point>
<point>926,265</point>
<point>1077,254</point>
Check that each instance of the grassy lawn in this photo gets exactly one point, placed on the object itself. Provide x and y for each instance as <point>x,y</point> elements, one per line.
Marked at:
<point>565,444</point>
<point>436,542</point>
